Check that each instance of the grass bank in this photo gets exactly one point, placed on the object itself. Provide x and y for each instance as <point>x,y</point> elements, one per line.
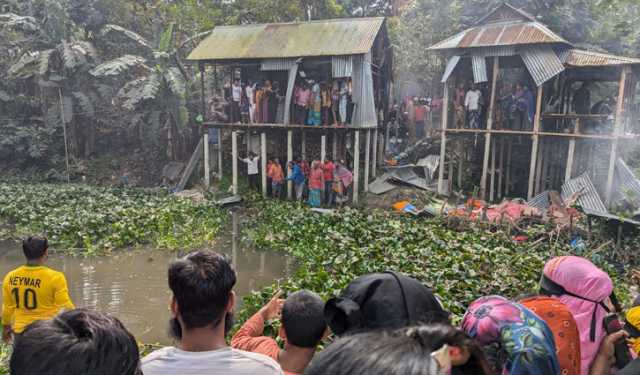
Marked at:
<point>88,219</point>
<point>460,265</point>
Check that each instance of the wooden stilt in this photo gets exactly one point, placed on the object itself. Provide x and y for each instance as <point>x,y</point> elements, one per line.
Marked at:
<point>303,147</point>
<point>367,155</point>
<point>461,157</point>
<point>263,162</point>
<point>323,148</point>
<point>450,178</point>
<point>492,184</point>
<point>614,143</point>
<point>507,177</point>
<point>501,168</point>
<point>356,165</point>
<point>219,154</point>
<point>234,162</point>
<point>534,147</point>
<point>542,149</point>
<point>443,138</point>
<point>374,152</point>
<point>289,159</point>
<point>207,171</point>
<point>487,139</point>
<point>570,153</point>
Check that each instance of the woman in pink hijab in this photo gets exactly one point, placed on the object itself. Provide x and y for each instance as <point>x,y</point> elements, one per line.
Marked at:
<point>588,293</point>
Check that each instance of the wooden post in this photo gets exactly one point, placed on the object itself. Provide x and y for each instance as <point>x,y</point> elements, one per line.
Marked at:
<point>323,148</point>
<point>501,168</point>
<point>303,147</point>
<point>538,182</point>
<point>507,177</point>
<point>570,154</point>
<point>64,135</point>
<point>450,172</point>
<point>614,143</point>
<point>492,184</point>
<point>219,154</point>
<point>234,162</point>
<point>374,163</point>
<point>487,138</point>
<point>534,146</point>
<point>461,157</point>
<point>334,147</point>
<point>289,159</point>
<point>263,162</point>
<point>367,155</point>
<point>207,171</point>
<point>443,138</point>
<point>356,165</point>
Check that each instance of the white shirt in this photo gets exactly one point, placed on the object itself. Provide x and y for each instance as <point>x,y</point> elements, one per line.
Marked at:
<point>236,91</point>
<point>252,165</point>
<point>228,361</point>
<point>249,92</point>
<point>472,100</point>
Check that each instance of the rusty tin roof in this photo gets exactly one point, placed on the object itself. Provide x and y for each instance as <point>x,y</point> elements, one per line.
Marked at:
<point>583,58</point>
<point>347,36</point>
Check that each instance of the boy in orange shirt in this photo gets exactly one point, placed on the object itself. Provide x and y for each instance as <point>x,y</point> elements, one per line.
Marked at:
<point>302,329</point>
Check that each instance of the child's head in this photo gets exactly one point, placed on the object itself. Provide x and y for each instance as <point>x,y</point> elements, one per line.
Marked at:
<point>35,248</point>
<point>303,323</point>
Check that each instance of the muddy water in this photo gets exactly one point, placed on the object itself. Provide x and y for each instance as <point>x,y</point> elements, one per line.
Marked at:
<point>132,285</point>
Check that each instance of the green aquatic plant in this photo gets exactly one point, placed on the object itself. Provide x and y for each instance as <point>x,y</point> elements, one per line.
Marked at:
<point>86,219</point>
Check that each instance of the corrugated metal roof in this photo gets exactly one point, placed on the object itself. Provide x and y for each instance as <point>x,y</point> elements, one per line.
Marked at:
<point>542,63</point>
<point>348,36</point>
<point>589,198</point>
<point>277,64</point>
<point>540,201</point>
<point>501,34</point>
<point>583,58</point>
<point>506,12</point>
<point>451,65</point>
<point>341,66</point>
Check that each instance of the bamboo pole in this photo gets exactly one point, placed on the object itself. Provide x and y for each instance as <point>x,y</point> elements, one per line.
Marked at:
<point>443,138</point>
<point>334,147</point>
<point>323,148</point>
<point>614,143</point>
<point>461,157</point>
<point>374,163</point>
<point>303,146</point>
<point>356,165</point>
<point>207,166</point>
<point>263,162</point>
<point>492,185</point>
<point>64,134</point>
<point>570,153</point>
<point>501,168</point>
<point>534,147</point>
<point>220,154</point>
<point>289,159</point>
<point>507,177</point>
<point>487,139</point>
<point>542,148</point>
<point>234,163</point>
<point>367,155</point>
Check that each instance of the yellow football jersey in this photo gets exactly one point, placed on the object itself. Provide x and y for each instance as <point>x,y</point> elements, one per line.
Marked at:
<point>31,293</point>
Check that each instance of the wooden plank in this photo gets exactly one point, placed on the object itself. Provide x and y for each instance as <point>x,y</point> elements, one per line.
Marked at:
<point>443,138</point>
<point>534,148</point>
<point>207,171</point>
<point>190,166</point>
<point>234,162</point>
<point>263,162</point>
<point>356,166</point>
<point>507,177</point>
<point>367,155</point>
<point>262,126</point>
<point>289,159</point>
<point>614,143</point>
<point>571,152</point>
<point>487,139</point>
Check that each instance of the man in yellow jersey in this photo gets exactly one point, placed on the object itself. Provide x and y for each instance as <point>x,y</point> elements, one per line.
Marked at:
<point>33,291</point>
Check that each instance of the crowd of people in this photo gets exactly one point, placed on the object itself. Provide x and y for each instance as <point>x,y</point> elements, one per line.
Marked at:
<point>319,183</point>
<point>381,323</point>
<point>313,102</point>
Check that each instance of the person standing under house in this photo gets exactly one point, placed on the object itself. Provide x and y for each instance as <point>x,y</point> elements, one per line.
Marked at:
<point>306,171</point>
<point>236,99</point>
<point>32,291</point>
<point>316,184</point>
<point>252,169</point>
<point>472,105</point>
<point>277,178</point>
<point>296,175</point>
<point>328,168</point>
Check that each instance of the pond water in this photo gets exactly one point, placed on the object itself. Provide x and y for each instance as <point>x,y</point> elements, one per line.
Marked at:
<point>132,285</point>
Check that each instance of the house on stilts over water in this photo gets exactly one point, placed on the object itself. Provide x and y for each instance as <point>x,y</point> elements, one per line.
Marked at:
<point>350,60</point>
<point>553,117</point>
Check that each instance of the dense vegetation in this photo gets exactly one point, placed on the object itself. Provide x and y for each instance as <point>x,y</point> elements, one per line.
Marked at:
<point>111,73</point>
<point>85,220</point>
<point>331,250</point>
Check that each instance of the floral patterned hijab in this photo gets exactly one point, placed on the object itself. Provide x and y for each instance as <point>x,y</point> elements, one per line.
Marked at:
<point>524,338</point>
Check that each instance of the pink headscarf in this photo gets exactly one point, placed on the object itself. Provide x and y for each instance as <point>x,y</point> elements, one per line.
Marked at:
<point>586,288</point>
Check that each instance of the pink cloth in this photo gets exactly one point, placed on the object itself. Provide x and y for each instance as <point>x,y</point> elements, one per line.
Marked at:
<point>315,180</point>
<point>344,175</point>
<point>302,97</point>
<point>582,278</point>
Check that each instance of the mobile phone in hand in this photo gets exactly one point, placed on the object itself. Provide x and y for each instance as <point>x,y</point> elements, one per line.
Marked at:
<point>612,325</point>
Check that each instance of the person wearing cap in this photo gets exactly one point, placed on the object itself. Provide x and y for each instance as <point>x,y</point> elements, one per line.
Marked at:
<point>387,300</point>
